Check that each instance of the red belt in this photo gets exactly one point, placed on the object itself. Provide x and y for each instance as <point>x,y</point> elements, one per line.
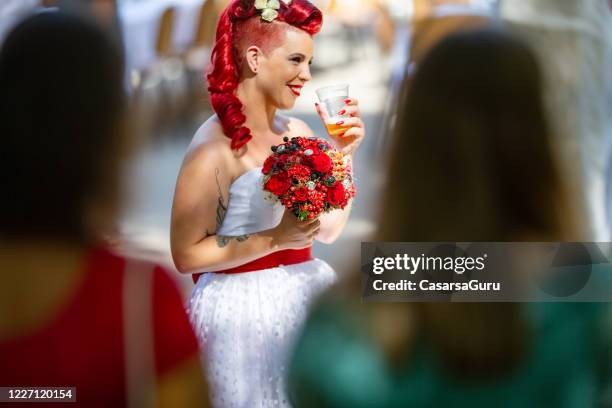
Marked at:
<point>284,257</point>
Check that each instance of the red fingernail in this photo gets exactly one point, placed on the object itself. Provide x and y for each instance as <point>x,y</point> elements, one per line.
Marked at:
<point>347,101</point>
<point>342,112</point>
<point>341,134</point>
<point>339,123</point>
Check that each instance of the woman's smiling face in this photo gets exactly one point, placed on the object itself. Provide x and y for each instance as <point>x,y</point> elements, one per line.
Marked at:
<point>284,70</point>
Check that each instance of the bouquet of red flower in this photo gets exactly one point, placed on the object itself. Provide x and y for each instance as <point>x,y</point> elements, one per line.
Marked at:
<point>308,176</point>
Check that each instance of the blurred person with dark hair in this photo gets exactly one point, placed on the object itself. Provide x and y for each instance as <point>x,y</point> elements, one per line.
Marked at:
<point>572,39</point>
<point>13,11</point>
<point>73,314</point>
<point>105,12</point>
<point>472,161</point>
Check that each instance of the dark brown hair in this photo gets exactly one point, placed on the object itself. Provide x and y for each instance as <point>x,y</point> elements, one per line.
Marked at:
<point>472,161</point>
<point>61,103</point>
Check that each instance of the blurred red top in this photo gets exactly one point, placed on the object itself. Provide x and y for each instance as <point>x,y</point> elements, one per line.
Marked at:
<point>83,346</point>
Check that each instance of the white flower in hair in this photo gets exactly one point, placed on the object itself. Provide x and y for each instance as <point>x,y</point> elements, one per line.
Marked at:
<point>268,8</point>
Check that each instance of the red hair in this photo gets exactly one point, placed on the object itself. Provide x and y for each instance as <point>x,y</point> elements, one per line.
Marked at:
<point>241,20</point>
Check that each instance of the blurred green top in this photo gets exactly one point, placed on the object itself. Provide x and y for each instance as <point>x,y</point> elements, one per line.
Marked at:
<point>337,364</point>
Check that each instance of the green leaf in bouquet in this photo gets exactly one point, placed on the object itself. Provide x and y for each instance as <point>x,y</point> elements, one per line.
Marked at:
<point>303,216</point>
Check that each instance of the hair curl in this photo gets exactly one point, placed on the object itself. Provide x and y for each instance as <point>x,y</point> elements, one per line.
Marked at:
<point>238,20</point>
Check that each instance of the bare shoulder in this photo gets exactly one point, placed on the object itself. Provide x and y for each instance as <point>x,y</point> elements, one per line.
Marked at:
<point>210,133</point>
<point>209,148</point>
<point>297,127</point>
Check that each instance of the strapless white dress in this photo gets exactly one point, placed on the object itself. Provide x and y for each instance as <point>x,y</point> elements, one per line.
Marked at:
<point>247,322</point>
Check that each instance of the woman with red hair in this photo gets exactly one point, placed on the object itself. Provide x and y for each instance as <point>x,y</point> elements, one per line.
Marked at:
<point>251,260</point>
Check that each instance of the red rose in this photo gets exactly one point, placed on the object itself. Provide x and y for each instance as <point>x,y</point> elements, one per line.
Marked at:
<point>278,184</point>
<point>335,194</point>
<point>301,194</point>
<point>285,160</point>
<point>320,162</point>
<point>268,164</point>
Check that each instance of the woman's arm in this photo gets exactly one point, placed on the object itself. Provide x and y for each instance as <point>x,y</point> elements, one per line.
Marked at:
<point>199,208</point>
<point>333,223</point>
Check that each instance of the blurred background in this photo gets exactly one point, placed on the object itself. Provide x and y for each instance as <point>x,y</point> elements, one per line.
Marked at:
<point>370,44</point>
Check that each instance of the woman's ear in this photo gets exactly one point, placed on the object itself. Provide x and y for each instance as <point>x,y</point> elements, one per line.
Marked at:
<point>253,57</point>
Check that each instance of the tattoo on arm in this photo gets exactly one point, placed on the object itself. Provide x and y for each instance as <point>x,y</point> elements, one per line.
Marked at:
<point>222,240</point>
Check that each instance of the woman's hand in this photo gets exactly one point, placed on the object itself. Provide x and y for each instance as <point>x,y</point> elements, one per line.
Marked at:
<point>348,141</point>
<point>292,233</point>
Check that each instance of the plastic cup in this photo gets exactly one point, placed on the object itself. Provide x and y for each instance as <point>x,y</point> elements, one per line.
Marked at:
<point>332,102</point>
